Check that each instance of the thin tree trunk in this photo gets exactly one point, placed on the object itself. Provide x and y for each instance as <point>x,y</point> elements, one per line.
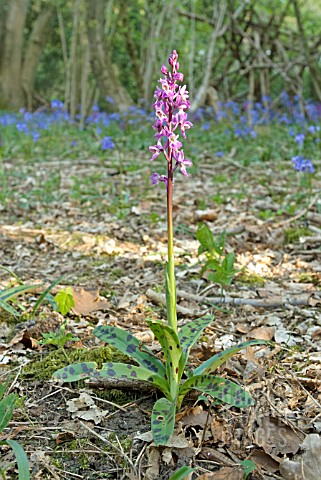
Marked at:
<point>11,63</point>
<point>103,69</point>
<point>33,52</point>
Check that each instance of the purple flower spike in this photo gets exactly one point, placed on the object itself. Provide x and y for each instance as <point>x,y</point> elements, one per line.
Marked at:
<point>170,107</point>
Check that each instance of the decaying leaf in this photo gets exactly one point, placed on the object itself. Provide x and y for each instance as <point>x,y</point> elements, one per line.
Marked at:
<point>226,473</point>
<point>85,408</point>
<point>309,465</point>
<point>276,437</point>
<point>88,301</point>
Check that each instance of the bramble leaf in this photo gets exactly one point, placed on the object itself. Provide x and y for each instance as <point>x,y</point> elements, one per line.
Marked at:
<point>217,387</point>
<point>81,371</point>
<point>129,345</point>
<point>163,421</point>
<point>214,362</point>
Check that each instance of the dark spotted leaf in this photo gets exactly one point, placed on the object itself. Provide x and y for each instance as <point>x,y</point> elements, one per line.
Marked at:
<point>163,421</point>
<point>80,371</point>
<point>217,387</point>
<point>189,334</point>
<point>128,344</point>
<point>191,331</point>
<point>75,372</point>
<point>172,352</point>
<point>214,362</point>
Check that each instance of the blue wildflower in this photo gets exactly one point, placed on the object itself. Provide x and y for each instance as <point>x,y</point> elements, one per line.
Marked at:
<point>302,164</point>
<point>299,138</point>
<point>107,143</point>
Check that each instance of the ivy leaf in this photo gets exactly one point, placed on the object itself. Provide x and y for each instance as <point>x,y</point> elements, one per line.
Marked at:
<point>163,421</point>
<point>129,345</point>
<point>217,387</point>
<point>214,362</point>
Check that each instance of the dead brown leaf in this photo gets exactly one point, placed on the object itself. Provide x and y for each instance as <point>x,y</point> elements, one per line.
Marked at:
<point>309,466</point>
<point>226,473</point>
<point>264,460</point>
<point>87,301</point>
<point>262,333</point>
<point>276,437</point>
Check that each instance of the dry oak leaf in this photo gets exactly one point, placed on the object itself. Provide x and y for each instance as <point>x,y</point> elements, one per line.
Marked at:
<point>226,473</point>
<point>87,301</point>
<point>309,466</point>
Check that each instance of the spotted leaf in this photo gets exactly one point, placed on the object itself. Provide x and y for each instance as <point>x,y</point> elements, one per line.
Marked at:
<point>172,352</point>
<point>189,334</point>
<point>170,296</point>
<point>128,344</point>
<point>163,421</point>
<point>217,387</point>
<point>80,371</point>
<point>214,362</point>
<point>75,372</point>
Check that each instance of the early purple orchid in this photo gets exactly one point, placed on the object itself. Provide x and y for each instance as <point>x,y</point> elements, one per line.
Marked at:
<point>170,105</point>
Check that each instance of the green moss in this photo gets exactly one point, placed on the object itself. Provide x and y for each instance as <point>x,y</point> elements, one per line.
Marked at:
<point>43,369</point>
<point>293,235</point>
<point>249,278</point>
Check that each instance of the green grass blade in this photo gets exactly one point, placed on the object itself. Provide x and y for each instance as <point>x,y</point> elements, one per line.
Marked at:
<point>22,460</point>
<point>11,273</point>
<point>163,421</point>
<point>7,405</point>
<point>8,308</point>
<point>43,295</point>
<point>182,473</point>
<point>217,387</point>
<point>129,345</point>
<point>214,362</point>
<point>81,371</point>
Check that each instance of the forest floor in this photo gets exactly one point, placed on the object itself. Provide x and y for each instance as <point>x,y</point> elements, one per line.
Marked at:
<point>104,229</point>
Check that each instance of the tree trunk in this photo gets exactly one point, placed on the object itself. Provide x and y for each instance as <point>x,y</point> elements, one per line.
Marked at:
<point>34,49</point>
<point>11,94</point>
<point>103,69</point>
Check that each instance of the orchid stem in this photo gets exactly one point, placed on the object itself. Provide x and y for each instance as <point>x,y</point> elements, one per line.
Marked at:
<point>170,277</point>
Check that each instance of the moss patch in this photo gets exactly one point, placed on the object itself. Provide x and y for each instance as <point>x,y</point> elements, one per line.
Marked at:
<point>293,235</point>
<point>249,278</point>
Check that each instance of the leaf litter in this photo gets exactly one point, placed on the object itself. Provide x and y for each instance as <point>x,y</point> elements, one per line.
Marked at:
<point>111,261</point>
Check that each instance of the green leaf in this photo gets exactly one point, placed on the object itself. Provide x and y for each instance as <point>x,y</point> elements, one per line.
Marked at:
<point>6,295</point>
<point>189,334</point>
<point>182,473</point>
<point>81,371</point>
<point>11,273</point>
<point>8,308</point>
<point>65,300</point>
<point>217,387</point>
<point>249,467</point>
<point>22,460</point>
<point>214,362</point>
<point>172,352</point>
<point>129,345</point>
<point>205,237</point>
<point>163,421</point>
<point>44,294</point>
<point>7,405</point>
<point>191,331</point>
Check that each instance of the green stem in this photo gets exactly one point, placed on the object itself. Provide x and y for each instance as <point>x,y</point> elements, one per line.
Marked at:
<point>170,271</point>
